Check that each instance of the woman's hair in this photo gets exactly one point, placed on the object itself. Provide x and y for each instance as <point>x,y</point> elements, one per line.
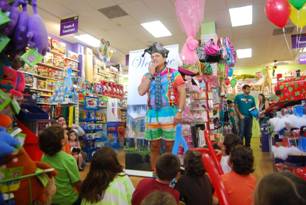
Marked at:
<point>242,160</point>
<point>299,183</point>
<point>263,97</point>
<point>50,140</point>
<point>193,164</point>
<point>230,141</point>
<point>277,189</point>
<point>103,169</point>
<point>159,198</point>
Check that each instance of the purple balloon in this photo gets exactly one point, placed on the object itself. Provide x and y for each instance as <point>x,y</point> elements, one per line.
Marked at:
<point>20,39</point>
<point>37,33</point>
<point>14,15</point>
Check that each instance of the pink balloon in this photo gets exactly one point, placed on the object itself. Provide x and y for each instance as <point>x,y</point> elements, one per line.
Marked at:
<point>190,14</point>
<point>278,12</point>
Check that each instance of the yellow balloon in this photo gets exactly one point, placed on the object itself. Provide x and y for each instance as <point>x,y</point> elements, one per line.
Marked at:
<point>298,17</point>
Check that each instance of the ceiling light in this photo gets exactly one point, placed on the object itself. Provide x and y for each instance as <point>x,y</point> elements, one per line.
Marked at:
<point>89,40</point>
<point>244,53</point>
<point>241,16</point>
<point>157,29</point>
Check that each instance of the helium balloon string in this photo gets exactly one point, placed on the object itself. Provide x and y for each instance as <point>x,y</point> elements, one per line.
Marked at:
<point>284,34</point>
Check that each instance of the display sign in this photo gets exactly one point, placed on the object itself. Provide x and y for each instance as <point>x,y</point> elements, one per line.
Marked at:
<point>69,25</point>
<point>302,58</point>
<point>298,41</point>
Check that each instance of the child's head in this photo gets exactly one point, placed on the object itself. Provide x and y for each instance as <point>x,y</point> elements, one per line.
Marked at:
<point>61,121</point>
<point>277,189</point>
<point>72,135</point>
<point>51,140</point>
<point>230,141</point>
<point>242,160</point>
<point>103,169</point>
<point>159,198</point>
<point>230,103</point>
<point>167,167</point>
<point>193,164</point>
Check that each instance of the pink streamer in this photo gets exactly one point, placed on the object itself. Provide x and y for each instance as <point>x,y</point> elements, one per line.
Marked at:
<point>190,14</point>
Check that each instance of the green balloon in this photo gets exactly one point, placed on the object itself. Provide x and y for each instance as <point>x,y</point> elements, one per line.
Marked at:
<point>233,82</point>
<point>298,4</point>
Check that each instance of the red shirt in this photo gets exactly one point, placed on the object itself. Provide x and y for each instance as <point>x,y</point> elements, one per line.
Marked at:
<point>147,186</point>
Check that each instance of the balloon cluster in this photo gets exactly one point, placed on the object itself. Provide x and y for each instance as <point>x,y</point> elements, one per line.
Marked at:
<point>279,12</point>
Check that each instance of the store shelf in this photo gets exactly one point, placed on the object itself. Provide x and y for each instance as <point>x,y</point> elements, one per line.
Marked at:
<point>39,76</point>
<point>43,90</point>
<point>45,103</point>
<point>72,59</point>
<point>51,66</point>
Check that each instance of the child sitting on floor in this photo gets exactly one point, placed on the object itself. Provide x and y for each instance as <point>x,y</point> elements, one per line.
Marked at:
<point>240,183</point>
<point>194,186</point>
<point>76,148</point>
<point>229,142</point>
<point>67,180</point>
<point>167,170</point>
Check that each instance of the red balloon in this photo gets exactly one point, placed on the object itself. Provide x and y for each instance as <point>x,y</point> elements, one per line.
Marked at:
<point>278,12</point>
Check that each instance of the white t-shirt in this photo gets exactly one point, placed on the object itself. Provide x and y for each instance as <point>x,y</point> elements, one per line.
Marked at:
<point>224,164</point>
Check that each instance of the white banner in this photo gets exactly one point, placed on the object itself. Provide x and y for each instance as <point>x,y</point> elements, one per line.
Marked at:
<point>138,66</point>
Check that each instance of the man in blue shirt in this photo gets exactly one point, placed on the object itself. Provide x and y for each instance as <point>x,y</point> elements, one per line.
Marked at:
<point>243,103</point>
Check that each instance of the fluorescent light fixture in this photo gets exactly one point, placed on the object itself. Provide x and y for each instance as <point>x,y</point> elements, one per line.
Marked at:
<point>157,29</point>
<point>244,53</point>
<point>89,40</point>
<point>241,16</point>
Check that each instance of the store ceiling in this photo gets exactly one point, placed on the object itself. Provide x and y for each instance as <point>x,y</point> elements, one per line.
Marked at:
<point>125,33</point>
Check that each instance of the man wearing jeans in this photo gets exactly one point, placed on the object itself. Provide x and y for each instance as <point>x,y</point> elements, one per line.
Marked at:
<point>243,103</point>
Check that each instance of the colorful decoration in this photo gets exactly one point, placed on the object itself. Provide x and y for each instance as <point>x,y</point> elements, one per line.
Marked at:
<point>190,14</point>
<point>233,82</point>
<point>298,17</point>
<point>297,4</point>
<point>278,12</point>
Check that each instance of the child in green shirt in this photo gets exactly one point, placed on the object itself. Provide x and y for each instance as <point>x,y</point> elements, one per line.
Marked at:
<point>232,116</point>
<point>67,179</point>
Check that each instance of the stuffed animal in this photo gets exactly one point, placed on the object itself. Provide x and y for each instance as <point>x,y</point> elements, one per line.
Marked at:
<point>20,40</point>
<point>14,15</point>
<point>4,6</point>
<point>12,81</point>
<point>37,32</point>
<point>8,144</point>
<point>31,186</point>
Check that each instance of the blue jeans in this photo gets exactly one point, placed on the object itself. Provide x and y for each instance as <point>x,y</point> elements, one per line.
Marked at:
<point>245,130</point>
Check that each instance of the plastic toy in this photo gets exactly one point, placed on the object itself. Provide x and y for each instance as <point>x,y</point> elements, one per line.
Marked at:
<point>37,32</point>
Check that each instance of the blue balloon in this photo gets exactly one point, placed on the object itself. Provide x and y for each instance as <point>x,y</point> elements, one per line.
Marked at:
<point>230,72</point>
<point>179,139</point>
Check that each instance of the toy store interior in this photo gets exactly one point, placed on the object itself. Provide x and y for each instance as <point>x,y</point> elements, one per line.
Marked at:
<point>152,102</point>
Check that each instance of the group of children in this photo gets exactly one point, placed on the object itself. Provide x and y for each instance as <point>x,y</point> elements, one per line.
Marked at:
<point>106,183</point>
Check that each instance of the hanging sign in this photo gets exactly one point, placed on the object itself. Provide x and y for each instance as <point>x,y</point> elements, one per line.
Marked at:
<point>302,58</point>
<point>298,41</point>
<point>69,25</point>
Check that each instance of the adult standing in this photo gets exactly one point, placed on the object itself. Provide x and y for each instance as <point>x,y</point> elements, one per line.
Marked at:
<point>263,105</point>
<point>165,88</point>
<point>243,103</point>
